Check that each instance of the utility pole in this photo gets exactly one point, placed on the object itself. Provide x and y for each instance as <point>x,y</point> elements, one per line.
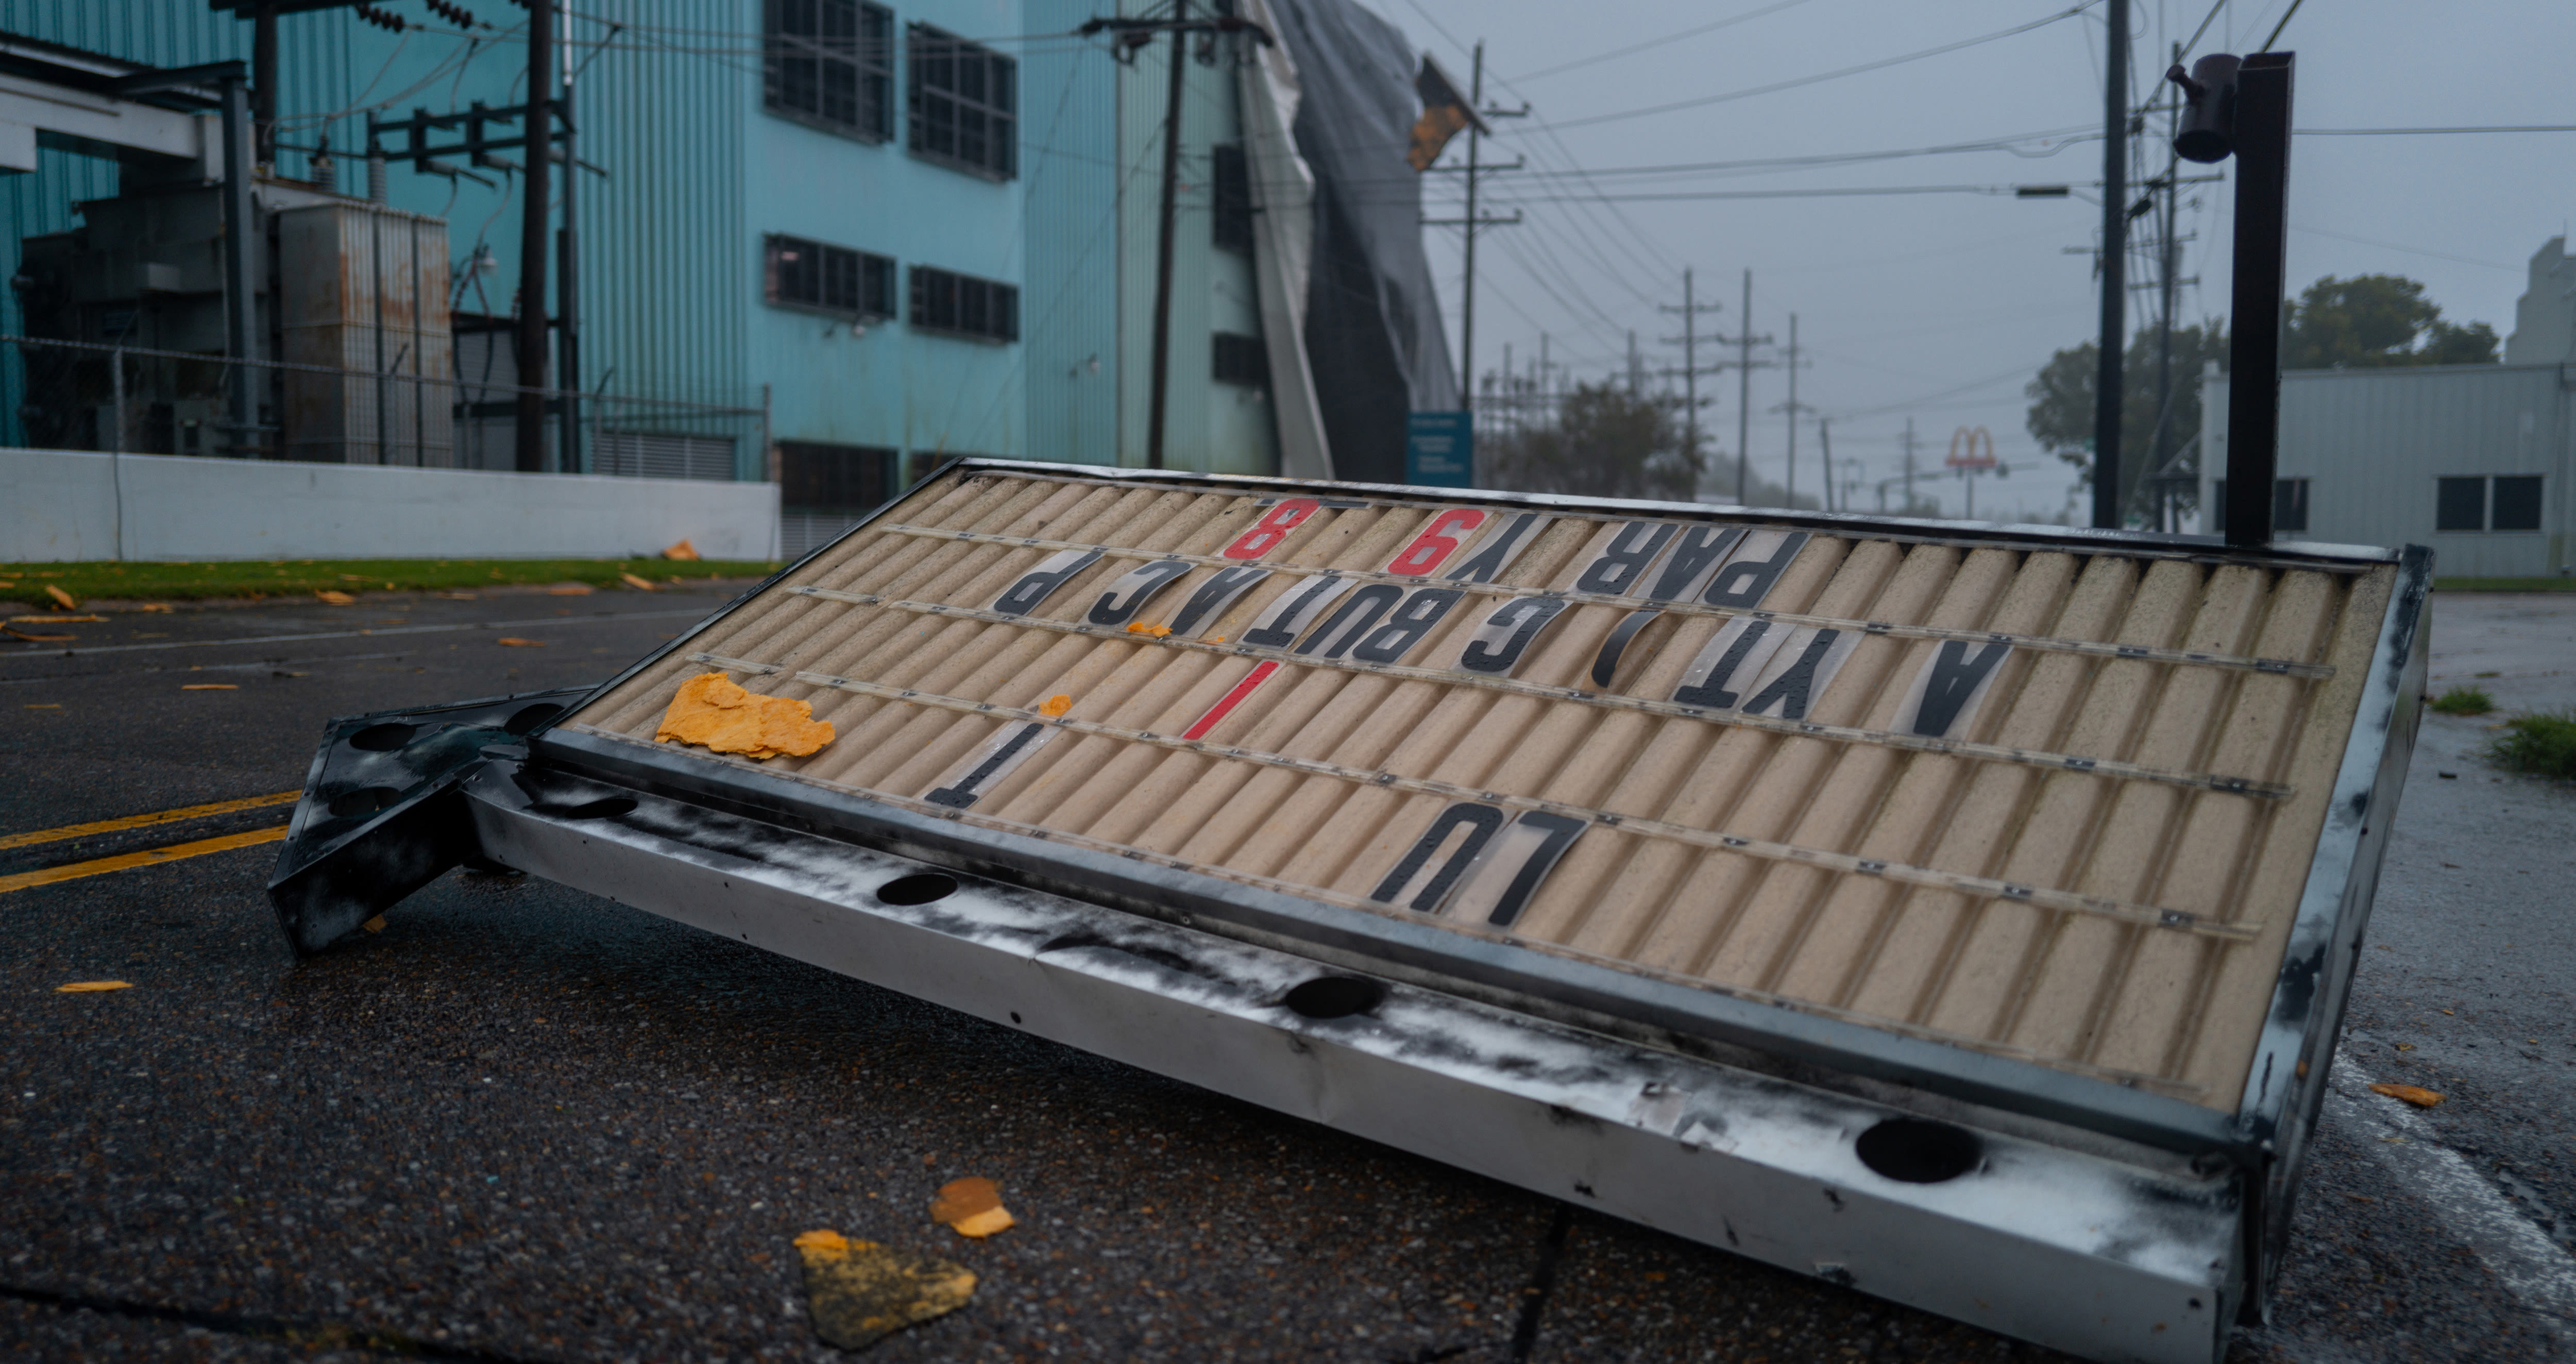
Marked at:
<point>1133,36</point>
<point>1475,169</point>
<point>263,80</point>
<point>2165,262</point>
<point>1793,407</point>
<point>568,272</point>
<point>2107,377</point>
<point>1744,366</point>
<point>536,186</point>
<point>1690,310</point>
<point>1909,468</point>
<point>1825,438</point>
<point>1164,244</point>
<point>1636,372</point>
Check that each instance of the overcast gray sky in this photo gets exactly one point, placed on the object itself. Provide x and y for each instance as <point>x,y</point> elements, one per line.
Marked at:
<point>1943,305</point>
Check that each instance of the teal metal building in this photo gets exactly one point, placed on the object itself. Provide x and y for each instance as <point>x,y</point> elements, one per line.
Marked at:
<point>902,231</point>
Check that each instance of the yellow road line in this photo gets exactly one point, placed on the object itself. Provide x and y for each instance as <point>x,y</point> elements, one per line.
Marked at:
<point>109,826</point>
<point>128,861</point>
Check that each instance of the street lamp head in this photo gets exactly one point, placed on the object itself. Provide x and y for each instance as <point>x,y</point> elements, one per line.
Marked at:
<point>2208,129</point>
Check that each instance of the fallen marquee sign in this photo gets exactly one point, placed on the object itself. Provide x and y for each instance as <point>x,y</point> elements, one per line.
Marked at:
<point>1959,913</point>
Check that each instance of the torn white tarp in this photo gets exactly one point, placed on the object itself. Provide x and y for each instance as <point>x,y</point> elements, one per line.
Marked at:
<point>1283,239</point>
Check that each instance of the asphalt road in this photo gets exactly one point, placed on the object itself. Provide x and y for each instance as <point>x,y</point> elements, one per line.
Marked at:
<point>524,1124</point>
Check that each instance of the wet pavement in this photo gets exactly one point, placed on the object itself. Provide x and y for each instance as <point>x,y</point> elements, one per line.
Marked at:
<point>522,1123</point>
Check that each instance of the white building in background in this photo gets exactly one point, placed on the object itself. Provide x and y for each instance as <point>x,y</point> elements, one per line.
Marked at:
<point>2476,461</point>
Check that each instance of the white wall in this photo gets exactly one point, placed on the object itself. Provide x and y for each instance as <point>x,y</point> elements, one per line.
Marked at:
<point>62,505</point>
<point>2373,444</point>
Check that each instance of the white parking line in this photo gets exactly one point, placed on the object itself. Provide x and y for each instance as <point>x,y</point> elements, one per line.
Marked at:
<point>2531,1266</point>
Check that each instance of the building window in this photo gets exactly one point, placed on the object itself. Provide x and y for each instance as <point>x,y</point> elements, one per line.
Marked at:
<point>831,279</point>
<point>964,103</point>
<point>2475,504</point>
<point>2517,504</point>
<point>2290,504</point>
<point>839,480</point>
<point>1231,195</point>
<point>963,304</point>
<point>1241,360</point>
<point>831,63</point>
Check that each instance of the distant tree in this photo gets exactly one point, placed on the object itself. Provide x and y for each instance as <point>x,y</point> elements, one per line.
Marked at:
<point>2377,321</point>
<point>2061,404</point>
<point>1604,442</point>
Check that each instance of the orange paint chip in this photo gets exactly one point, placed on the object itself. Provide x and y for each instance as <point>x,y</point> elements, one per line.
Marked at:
<point>2420,1097</point>
<point>92,987</point>
<point>637,583</point>
<point>514,642</point>
<point>1055,705</point>
<point>210,686</point>
<point>972,1207</point>
<point>682,550</point>
<point>1141,628</point>
<point>710,711</point>
<point>374,925</point>
<point>336,598</point>
<point>62,597</point>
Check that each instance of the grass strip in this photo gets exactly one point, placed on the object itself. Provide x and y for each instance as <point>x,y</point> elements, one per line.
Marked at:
<point>25,584</point>
<point>2541,744</point>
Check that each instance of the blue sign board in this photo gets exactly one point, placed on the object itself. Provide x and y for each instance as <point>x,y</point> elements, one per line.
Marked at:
<point>1439,450</point>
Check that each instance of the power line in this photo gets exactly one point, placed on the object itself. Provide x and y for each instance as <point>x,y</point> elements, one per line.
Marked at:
<point>1728,22</point>
<point>1776,86</point>
<point>2423,132</point>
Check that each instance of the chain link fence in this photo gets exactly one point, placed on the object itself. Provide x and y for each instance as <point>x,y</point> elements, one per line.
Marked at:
<point>75,395</point>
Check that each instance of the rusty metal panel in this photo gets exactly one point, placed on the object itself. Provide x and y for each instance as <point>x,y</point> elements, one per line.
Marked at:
<point>363,289</point>
<point>2054,798</point>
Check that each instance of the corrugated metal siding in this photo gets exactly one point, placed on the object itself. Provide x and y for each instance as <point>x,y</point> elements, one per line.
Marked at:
<point>2373,442</point>
<point>1205,430</point>
<point>1069,308</point>
<point>2092,865</point>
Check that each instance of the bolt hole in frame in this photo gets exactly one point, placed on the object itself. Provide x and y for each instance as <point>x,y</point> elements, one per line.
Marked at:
<point>1920,1151</point>
<point>920,888</point>
<point>1327,997</point>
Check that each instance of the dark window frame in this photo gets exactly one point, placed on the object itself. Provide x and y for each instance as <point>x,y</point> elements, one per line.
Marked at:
<point>828,478</point>
<point>1235,358</point>
<point>2290,509</point>
<point>968,306</point>
<point>804,79</point>
<point>962,103</point>
<point>2496,503</point>
<point>818,277</point>
<point>1230,198</point>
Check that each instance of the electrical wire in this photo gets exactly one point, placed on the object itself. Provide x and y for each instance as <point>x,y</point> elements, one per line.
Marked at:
<point>1774,87</point>
<point>1665,41</point>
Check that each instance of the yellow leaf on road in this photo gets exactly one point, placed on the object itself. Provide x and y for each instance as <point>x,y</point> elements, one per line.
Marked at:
<point>637,583</point>
<point>514,642</point>
<point>859,1292</point>
<point>569,590</point>
<point>335,598</point>
<point>210,686</point>
<point>2416,1095</point>
<point>91,987</point>
<point>972,1207</point>
<point>61,596</point>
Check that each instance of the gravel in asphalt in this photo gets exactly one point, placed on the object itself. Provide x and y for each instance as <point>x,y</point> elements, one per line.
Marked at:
<point>523,1123</point>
